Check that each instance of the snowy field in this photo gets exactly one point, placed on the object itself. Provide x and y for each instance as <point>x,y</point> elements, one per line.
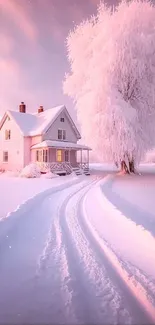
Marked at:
<point>79,252</point>
<point>15,191</point>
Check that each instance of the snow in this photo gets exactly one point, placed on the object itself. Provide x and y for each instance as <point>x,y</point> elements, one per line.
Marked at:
<point>143,167</point>
<point>103,167</point>
<point>77,250</point>
<point>49,175</point>
<point>115,94</point>
<point>137,195</point>
<point>125,218</point>
<point>15,191</point>
<point>150,156</point>
<point>31,171</point>
<point>35,124</point>
<point>60,144</point>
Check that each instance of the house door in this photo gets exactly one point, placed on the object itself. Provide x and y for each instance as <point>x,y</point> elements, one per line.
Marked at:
<point>66,155</point>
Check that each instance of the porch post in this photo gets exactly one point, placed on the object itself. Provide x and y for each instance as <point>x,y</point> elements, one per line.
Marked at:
<point>88,157</point>
<point>48,155</point>
<point>81,158</point>
<point>69,155</point>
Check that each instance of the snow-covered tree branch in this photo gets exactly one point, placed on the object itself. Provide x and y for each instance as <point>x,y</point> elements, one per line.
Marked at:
<point>112,81</point>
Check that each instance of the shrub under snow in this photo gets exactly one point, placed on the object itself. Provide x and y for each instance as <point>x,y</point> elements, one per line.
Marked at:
<point>31,171</point>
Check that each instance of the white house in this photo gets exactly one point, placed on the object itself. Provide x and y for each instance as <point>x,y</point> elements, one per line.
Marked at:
<point>49,138</point>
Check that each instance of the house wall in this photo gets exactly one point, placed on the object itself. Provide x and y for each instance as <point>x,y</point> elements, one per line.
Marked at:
<point>52,155</point>
<point>36,139</point>
<point>73,159</point>
<point>33,155</point>
<point>52,133</point>
<point>14,146</point>
<point>27,150</point>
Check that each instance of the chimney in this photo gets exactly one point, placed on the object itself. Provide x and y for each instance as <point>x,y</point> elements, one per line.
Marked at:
<point>22,108</point>
<point>40,109</point>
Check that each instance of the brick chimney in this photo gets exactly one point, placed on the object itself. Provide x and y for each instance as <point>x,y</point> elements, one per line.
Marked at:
<point>22,108</point>
<point>40,109</point>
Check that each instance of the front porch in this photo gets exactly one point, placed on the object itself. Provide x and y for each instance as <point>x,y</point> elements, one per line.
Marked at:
<point>61,157</point>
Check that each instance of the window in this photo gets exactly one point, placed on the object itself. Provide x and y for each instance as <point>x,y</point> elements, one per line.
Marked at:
<point>45,155</point>
<point>64,134</point>
<point>7,134</point>
<point>5,156</point>
<point>66,155</point>
<point>59,155</point>
<point>39,155</point>
<point>62,119</point>
<point>61,134</point>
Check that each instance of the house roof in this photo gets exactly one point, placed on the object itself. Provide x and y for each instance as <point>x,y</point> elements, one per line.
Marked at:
<point>37,124</point>
<point>60,145</point>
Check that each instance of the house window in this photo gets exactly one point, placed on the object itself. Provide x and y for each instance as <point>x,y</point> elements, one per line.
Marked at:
<point>62,119</point>
<point>64,134</point>
<point>5,156</point>
<point>61,134</point>
<point>39,155</point>
<point>45,155</point>
<point>59,155</point>
<point>7,134</point>
<point>67,155</point>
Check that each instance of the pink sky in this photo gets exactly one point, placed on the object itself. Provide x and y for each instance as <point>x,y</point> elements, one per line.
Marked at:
<point>32,50</point>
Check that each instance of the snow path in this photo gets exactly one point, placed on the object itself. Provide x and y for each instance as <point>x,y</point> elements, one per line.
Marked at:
<point>53,270</point>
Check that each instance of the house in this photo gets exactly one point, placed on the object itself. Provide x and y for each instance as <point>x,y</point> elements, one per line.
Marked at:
<point>48,138</point>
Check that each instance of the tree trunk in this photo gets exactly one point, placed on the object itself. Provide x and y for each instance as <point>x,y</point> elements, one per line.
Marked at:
<point>125,169</point>
<point>132,167</point>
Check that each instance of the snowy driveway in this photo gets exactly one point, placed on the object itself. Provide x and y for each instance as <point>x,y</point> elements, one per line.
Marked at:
<point>52,269</point>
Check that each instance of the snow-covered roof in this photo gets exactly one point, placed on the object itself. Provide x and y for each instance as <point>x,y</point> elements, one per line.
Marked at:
<point>60,145</point>
<point>37,124</point>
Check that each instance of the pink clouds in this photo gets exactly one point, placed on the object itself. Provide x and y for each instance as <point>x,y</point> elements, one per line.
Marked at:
<point>14,10</point>
<point>6,43</point>
<point>32,49</point>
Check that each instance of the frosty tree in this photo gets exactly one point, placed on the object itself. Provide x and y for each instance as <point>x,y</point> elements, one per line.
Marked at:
<point>112,81</point>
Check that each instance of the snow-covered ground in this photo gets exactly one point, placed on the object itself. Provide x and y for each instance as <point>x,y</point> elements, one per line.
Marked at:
<point>105,167</point>
<point>15,191</point>
<point>80,252</point>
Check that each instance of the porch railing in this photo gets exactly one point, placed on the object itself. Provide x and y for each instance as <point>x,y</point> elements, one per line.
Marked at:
<point>55,167</point>
<point>83,165</point>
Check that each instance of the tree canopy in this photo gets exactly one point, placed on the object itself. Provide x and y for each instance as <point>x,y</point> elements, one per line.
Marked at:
<point>112,80</point>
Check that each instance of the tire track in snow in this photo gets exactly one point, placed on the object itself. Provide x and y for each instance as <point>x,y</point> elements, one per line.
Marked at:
<point>135,293</point>
<point>139,315</point>
<point>27,296</point>
<point>54,257</point>
<point>138,275</point>
<point>62,256</point>
<point>87,274</point>
<point>53,242</point>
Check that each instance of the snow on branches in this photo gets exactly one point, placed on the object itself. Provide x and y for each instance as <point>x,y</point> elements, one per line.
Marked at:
<point>112,80</point>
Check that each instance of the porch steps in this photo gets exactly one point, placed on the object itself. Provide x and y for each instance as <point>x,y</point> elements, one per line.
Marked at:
<point>86,171</point>
<point>79,171</point>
